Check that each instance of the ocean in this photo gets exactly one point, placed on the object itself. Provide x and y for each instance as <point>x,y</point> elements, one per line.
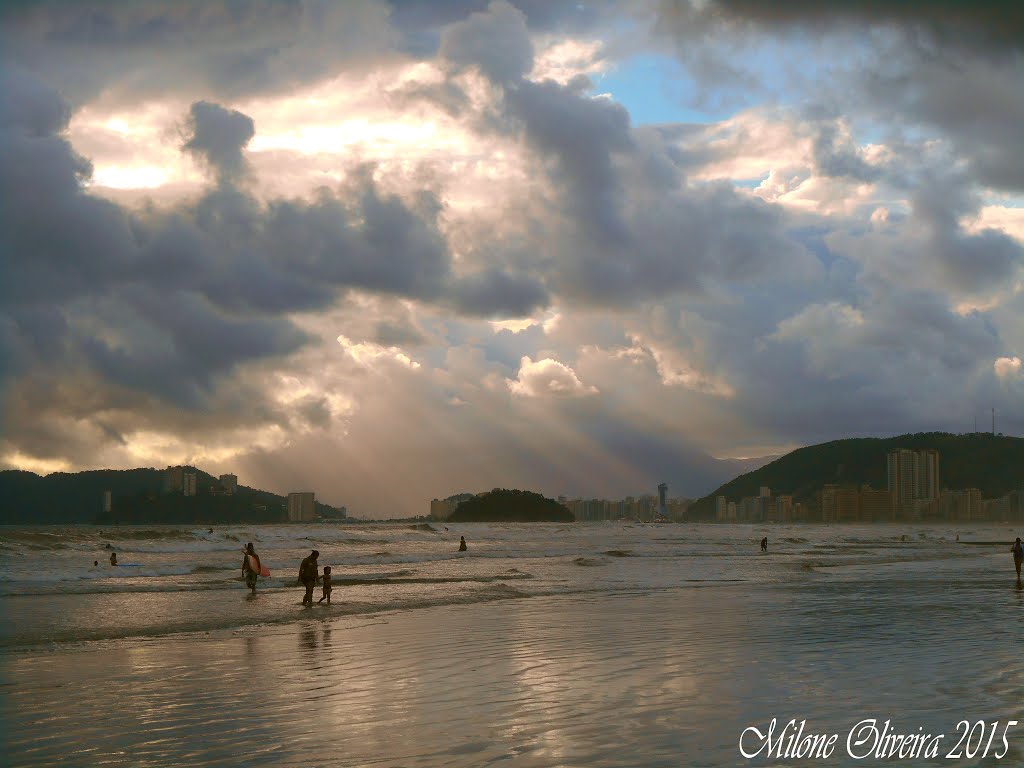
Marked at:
<point>580,644</point>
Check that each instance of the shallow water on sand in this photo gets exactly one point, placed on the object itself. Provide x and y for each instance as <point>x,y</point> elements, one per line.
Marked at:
<point>658,658</point>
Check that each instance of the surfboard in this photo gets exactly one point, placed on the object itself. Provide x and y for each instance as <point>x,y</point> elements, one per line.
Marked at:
<point>257,565</point>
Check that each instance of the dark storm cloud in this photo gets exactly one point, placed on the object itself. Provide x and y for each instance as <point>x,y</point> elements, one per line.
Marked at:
<point>130,50</point>
<point>623,225</point>
<point>495,293</point>
<point>582,135</point>
<point>496,41</point>
<point>168,304</point>
<point>898,361</point>
<point>968,262</point>
<point>421,22</point>
<point>943,66</point>
<point>987,26</point>
<point>839,156</point>
<point>218,136</point>
<point>392,334</point>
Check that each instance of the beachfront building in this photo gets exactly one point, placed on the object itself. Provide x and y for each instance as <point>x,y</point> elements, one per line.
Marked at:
<point>875,504</point>
<point>107,503</point>
<point>961,505</point>
<point>229,484</point>
<point>848,504</point>
<point>188,484</point>
<point>174,479</point>
<point>301,507</point>
<point>912,477</point>
<point>784,508</point>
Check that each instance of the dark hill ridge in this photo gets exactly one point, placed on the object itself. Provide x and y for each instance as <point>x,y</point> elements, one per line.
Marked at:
<point>138,497</point>
<point>992,463</point>
<point>502,504</point>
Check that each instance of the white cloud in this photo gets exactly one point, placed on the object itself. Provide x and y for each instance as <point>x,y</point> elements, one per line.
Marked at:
<point>367,354</point>
<point>1008,368</point>
<point>547,378</point>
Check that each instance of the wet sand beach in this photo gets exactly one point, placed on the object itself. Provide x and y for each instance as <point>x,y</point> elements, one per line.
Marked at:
<point>654,679</point>
<point>593,646</point>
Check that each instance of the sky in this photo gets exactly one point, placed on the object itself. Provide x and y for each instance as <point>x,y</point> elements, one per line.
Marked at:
<point>395,251</point>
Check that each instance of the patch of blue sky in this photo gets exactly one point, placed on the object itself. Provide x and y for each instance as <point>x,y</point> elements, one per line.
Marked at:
<point>657,90</point>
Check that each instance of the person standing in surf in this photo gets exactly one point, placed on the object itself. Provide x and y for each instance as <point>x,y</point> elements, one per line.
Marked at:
<point>308,575</point>
<point>1018,556</point>
<point>326,586</point>
<point>251,567</point>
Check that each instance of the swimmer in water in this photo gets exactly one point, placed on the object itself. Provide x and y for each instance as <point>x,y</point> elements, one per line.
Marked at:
<point>113,558</point>
<point>462,543</point>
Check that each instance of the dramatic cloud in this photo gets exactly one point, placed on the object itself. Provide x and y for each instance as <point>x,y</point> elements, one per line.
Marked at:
<point>548,378</point>
<point>218,136</point>
<point>580,248</point>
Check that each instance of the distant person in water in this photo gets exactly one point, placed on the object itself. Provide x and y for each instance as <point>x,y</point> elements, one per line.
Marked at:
<point>113,558</point>
<point>251,566</point>
<point>307,575</point>
<point>210,531</point>
<point>95,563</point>
<point>764,544</point>
<point>1018,555</point>
<point>462,543</point>
<point>327,586</point>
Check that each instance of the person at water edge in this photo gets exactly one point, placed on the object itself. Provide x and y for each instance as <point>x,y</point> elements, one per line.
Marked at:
<point>308,575</point>
<point>1018,555</point>
<point>462,543</point>
<point>95,563</point>
<point>764,544</point>
<point>113,558</point>
<point>326,580</point>
<point>250,566</point>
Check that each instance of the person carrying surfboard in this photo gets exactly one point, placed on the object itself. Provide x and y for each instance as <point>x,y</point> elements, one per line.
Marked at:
<point>251,567</point>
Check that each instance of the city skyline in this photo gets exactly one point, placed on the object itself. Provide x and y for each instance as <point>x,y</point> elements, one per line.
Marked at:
<point>388,250</point>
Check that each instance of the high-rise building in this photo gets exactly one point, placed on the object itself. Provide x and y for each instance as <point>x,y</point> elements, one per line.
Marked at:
<point>174,479</point>
<point>662,499</point>
<point>784,509</point>
<point>875,504</point>
<point>301,507</point>
<point>927,480</point>
<point>189,482</point>
<point>106,501</point>
<point>912,476</point>
<point>828,502</point>
<point>229,483</point>
<point>721,508</point>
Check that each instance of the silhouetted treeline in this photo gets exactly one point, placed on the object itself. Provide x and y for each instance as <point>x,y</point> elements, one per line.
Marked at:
<point>137,497</point>
<point>501,505</point>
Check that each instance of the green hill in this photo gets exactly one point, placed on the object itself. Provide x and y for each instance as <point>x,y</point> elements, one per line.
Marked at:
<point>992,463</point>
<point>503,505</point>
<point>137,497</point>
